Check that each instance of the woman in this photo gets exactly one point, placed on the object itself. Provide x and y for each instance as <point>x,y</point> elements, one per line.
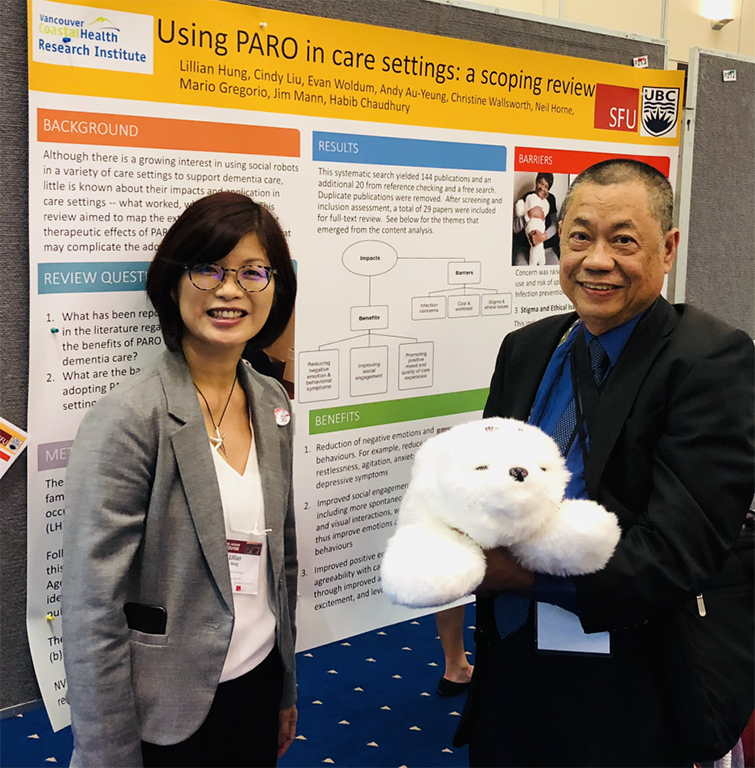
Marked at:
<point>522,242</point>
<point>180,574</point>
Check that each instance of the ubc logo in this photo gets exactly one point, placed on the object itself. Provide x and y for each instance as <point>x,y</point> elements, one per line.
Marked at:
<point>616,107</point>
<point>660,110</point>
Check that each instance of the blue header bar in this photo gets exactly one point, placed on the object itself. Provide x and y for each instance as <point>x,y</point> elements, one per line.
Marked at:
<point>416,153</point>
<point>98,277</point>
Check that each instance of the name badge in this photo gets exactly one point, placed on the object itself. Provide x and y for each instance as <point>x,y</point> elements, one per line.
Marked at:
<point>560,630</point>
<point>244,559</point>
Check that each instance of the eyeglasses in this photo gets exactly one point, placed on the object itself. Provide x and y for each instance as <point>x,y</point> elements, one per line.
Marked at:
<point>253,278</point>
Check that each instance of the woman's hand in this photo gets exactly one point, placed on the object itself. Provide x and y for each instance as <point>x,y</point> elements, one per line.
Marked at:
<point>286,729</point>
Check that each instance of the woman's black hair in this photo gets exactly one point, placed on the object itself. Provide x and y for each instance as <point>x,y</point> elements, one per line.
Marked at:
<point>548,179</point>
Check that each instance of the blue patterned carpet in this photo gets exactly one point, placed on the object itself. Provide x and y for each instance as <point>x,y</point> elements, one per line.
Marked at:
<point>367,701</point>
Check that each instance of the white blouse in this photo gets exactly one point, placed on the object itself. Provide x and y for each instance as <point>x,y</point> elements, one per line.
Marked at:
<point>253,635</point>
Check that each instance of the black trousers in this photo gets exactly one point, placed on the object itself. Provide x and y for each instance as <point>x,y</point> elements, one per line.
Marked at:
<point>241,728</point>
<point>537,709</point>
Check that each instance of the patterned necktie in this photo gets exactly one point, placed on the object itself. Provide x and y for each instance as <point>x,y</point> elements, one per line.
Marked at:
<point>565,427</point>
<point>599,360</point>
<point>511,611</point>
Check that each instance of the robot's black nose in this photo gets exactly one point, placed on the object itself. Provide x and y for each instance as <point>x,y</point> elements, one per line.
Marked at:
<point>518,473</point>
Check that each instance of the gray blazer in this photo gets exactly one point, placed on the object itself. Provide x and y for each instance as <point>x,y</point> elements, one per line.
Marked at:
<point>144,524</point>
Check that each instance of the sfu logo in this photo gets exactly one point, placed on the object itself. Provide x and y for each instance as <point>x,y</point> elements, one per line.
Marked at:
<point>616,107</point>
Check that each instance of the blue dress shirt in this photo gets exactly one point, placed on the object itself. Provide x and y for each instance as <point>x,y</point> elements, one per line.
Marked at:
<point>552,398</point>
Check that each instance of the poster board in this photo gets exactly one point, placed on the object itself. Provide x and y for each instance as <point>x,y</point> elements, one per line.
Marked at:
<point>716,269</point>
<point>415,374</point>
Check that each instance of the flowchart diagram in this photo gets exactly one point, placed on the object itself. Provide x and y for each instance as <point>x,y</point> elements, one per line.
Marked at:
<point>368,350</point>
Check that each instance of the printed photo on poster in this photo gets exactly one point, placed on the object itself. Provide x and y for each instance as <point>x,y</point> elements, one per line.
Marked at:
<point>537,197</point>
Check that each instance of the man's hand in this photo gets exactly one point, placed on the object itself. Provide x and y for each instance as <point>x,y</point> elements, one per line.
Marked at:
<point>286,729</point>
<point>537,237</point>
<point>505,574</point>
<point>536,212</point>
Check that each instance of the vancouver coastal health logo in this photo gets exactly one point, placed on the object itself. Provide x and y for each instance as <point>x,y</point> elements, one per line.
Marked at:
<point>97,38</point>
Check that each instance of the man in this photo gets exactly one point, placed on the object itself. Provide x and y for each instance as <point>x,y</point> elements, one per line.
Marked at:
<point>522,241</point>
<point>569,671</point>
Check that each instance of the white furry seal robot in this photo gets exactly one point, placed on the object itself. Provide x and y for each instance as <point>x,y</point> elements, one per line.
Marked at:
<point>485,484</point>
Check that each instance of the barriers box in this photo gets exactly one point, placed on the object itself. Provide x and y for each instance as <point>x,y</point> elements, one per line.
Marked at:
<point>464,306</point>
<point>460,272</point>
<point>428,307</point>
<point>496,304</point>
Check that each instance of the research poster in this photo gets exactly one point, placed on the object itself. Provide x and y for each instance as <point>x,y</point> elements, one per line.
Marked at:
<point>393,160</point>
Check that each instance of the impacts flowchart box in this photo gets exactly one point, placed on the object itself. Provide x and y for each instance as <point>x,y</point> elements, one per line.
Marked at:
<point>318,376</point>
<point>415,365</point>
<point>369,371</point>
<point>369,318</point>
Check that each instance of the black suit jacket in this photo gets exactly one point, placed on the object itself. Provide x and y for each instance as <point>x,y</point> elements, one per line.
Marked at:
<point>672,454</point>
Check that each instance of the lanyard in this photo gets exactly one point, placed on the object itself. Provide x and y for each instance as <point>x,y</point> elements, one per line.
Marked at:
<point>586,392</point>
